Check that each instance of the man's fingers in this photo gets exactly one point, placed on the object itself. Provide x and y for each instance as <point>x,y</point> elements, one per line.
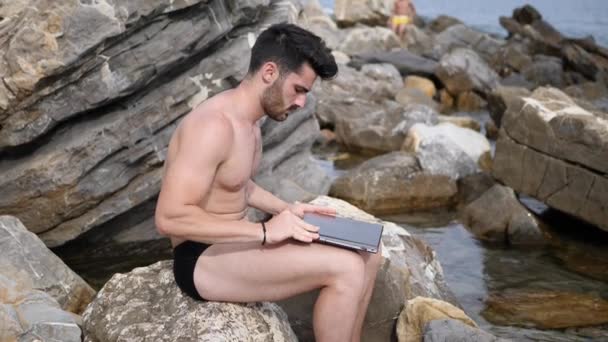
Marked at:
<point>320,209</point>
<point>307,226</point>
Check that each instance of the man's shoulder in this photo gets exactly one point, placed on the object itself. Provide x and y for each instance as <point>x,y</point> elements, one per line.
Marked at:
<point>207,122</point>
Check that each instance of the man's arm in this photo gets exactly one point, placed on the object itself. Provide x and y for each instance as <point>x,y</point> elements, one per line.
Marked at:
<point>202,146</point>
<point>264,200</point>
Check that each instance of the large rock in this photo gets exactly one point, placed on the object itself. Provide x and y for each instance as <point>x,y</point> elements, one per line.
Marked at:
<point>554,150</point>
<point>22,250</point>
<point>462,70</point>
<point>463,36</point>
<point>362,39</point>
<point>381,128</point>
<point>498,216</point>
<point>145,304</point>
<point>87,145</point>
<point>546,309</point>
<point>545,71</point>
<point>500,99</point>
<point>27,314</point>
<point>444,330</point>
<point>410,269</point>
<point>314,18</point>
<point>406,62</point>
<point>447,149</point>
<point>350,12</point>
<point>443,22</point>
<point>394,183</point>
<point>419,311</point>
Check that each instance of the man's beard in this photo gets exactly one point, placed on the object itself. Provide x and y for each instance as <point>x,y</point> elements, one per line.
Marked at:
<point>273,104</point>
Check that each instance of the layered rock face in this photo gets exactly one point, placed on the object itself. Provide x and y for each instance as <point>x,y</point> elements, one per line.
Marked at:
<point>93,91</point>
<point>554,150</point>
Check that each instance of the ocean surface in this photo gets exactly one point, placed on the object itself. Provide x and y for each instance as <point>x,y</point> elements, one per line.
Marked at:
<point>574,18</point>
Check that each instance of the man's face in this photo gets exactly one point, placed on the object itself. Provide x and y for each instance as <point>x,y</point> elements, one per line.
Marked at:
<point>288,93</point>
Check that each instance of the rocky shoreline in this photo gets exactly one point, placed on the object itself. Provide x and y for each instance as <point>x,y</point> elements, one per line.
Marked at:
<point>92,92</point>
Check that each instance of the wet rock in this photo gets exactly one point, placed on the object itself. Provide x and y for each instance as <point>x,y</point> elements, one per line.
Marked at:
<point>361,39</point>
<point>410,269</point>
<point>443,22</point>
<point>424,84</point>
<point>406,62</point>
<point>350,12</point>
<point>473,186</point>
<point>420,311</point>
<point>377,129</point>
<point>498,216</point>
<point>500,98</point>
<point>555,151</point>
<point>447,149</point>
<point>22,250</point>
<point>411,96</point>
<point>444,330</point>
<point>545,309</point>
<point>146,302</point>
<point>394,183</point>
<point>462,70</point>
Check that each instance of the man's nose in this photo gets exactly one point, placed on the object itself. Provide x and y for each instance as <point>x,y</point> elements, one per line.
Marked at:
<point>300,100</point>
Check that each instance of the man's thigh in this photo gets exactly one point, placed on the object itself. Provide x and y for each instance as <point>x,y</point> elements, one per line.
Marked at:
<point>251,272</point>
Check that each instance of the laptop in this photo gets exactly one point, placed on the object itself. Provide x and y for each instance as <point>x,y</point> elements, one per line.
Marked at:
<point>345,232</point>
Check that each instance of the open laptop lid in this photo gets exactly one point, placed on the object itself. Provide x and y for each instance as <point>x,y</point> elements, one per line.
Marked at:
<point>347,232</point>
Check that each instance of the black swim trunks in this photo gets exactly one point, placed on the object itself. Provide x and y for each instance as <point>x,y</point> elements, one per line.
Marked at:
<point>185,256</point>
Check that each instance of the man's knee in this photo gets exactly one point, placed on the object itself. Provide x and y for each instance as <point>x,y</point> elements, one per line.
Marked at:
<point>348,271</point>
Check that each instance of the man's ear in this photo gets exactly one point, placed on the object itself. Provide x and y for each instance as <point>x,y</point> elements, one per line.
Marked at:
<point>270,72</point>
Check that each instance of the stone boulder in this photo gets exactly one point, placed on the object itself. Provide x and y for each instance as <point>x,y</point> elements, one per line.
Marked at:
<point>46,273</point>
<point>500,99</point>
<point>373,13</point>
<point>447,149</point>
<point>498,216</point>
<point>443,330</point>
<point>420,311</point>
<point>553,150</point>
<point>394,183</point>
<point>410,269</point>
<point>545,309</point>
<point>545,71</point>
<point>146,304</point>
<point>443,22</point>
<point>424,84</point>
<point>462,70</point>
<point>86,124</point>
<point>414,96</point>
<point>405,61</point>
<point>314,18</point>
<point>362,39</point>
<point>381,128</point>
<point>460,35</point>
<point>27,314</point>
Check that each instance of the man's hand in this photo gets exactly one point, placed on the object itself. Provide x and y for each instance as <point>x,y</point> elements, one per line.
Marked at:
<point>301,208</point>
<point>288,225</point>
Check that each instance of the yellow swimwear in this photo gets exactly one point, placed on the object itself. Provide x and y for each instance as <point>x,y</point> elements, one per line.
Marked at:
<point>400,20</point>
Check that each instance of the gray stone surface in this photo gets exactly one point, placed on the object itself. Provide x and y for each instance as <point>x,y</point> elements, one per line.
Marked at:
<point>394,183</point>
<point>351,12</point>
<point>451,330</point>
<point>462,69</point>
<point>23,250</point>
<point>460,35</point>
<point>498,216</point>
<point>145,304</point>
<point>406,62</point>
<point>362,39</point>
<point>554,150</point>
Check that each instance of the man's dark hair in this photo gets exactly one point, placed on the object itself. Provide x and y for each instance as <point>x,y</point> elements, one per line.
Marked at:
<point>290,46</point>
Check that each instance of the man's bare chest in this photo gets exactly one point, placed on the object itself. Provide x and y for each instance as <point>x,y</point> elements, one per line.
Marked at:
<point>240,166</point>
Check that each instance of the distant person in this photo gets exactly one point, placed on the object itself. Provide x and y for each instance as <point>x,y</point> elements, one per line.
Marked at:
<point>404,13</point>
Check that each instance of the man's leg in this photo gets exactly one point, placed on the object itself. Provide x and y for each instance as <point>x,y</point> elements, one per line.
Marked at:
<point>250,272</point>
<point>372,264</point>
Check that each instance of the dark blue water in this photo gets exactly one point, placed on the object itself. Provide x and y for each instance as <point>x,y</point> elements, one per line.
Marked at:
<point>574,18</point>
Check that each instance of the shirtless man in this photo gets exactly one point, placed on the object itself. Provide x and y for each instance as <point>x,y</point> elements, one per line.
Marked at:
<point>207,187</point>
<point>403,15</point>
